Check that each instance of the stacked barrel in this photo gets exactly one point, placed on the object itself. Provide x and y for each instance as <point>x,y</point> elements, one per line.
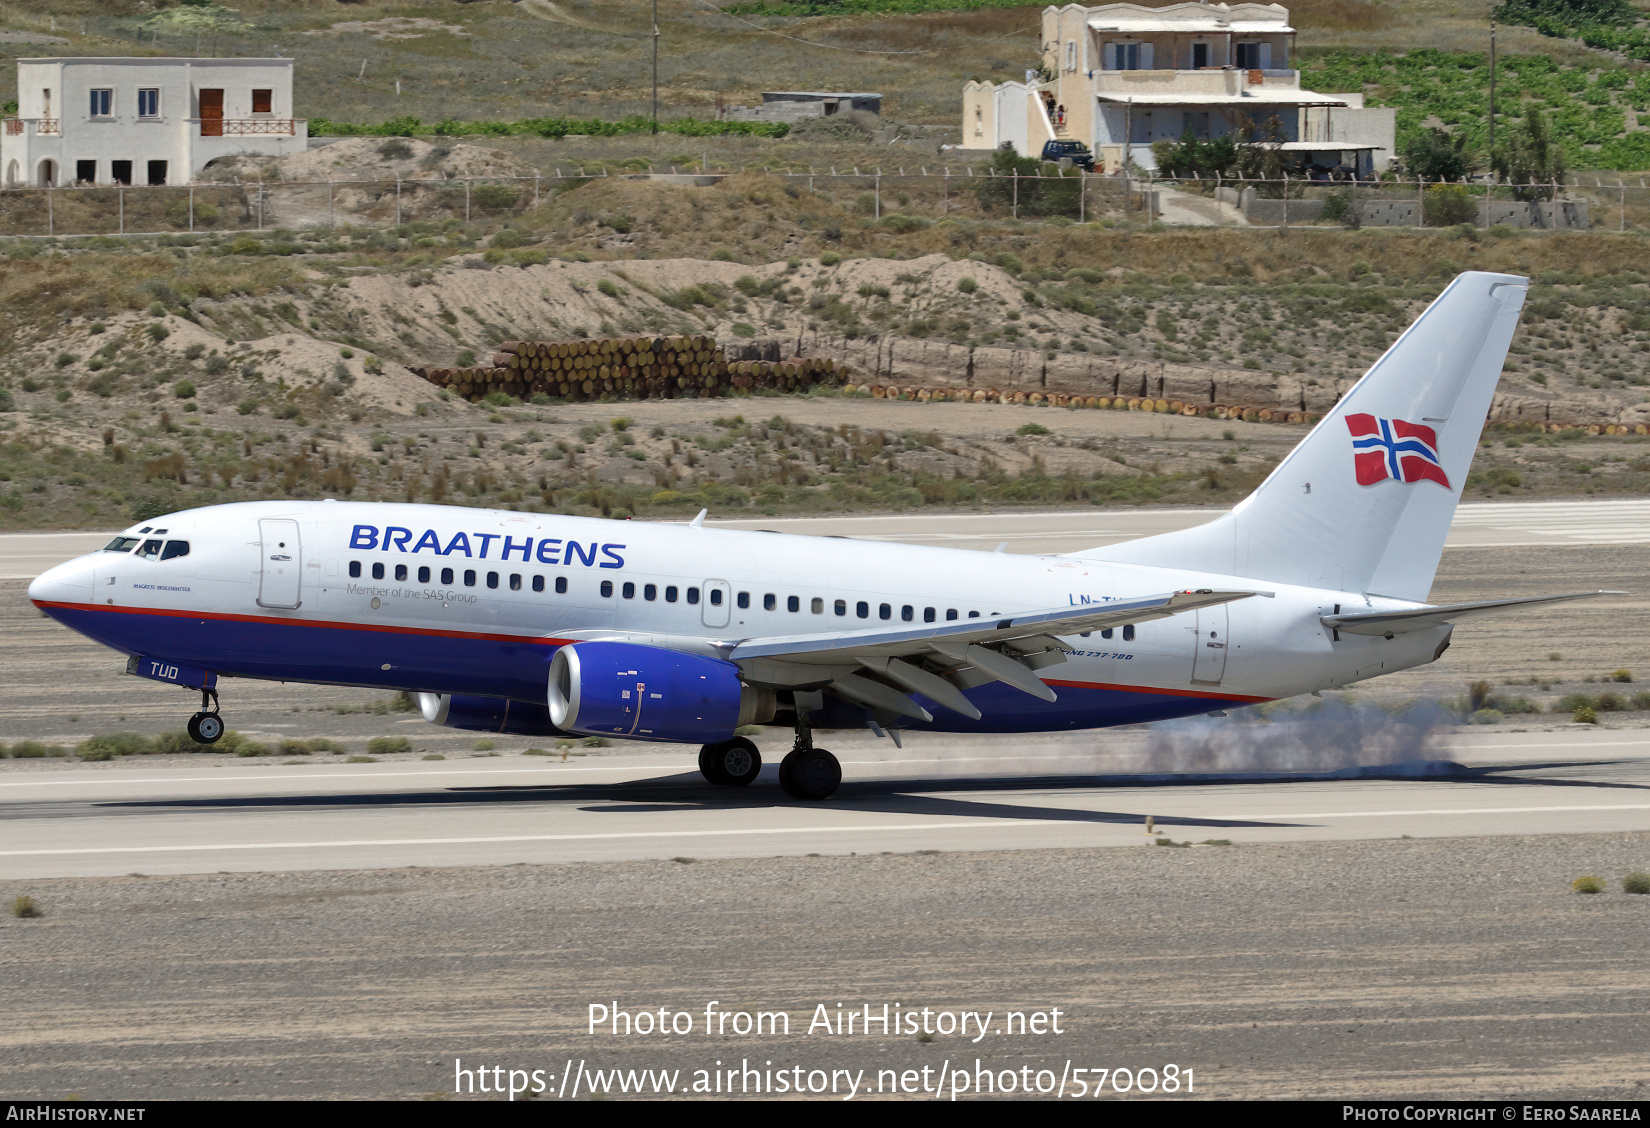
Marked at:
<point>627,368</point>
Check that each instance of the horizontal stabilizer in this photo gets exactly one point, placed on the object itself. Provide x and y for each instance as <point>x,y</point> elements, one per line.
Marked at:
<point>1389,623</point>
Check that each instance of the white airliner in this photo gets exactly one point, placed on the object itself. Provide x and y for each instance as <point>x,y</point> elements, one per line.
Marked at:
<point>540,624</point>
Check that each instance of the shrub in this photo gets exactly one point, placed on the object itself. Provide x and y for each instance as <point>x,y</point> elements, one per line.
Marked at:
<point>247,406</point>
<point>184,389</point>
<point>743,329</point>
<point>967,285</point>
<point>1588,884</point>
<point>388,745</point>
<point>829,258</point>
<point>34,750</point>
<point>1032,429</point>
<point>1584,716</point>
<point>1636,883</point>
<point>483,745</point>
<point>433,756</point>
<point>1622,676</point>
<point>395,149</point>
<point>496,197</point>
<point>1487,717</point>
<point>115,744</point>
<point>25,907</point>
<point>216,363</point>
<point>361,760</point>
<point>607,287</point>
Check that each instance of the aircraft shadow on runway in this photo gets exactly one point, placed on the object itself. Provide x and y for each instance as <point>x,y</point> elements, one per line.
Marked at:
<point>930,797</point>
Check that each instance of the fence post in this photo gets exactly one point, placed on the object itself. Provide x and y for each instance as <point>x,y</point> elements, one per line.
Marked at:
<point>1016,208</point>
<point>398,201</point>
<point>1082,196</point>
<point>878,191</point>
<point>1286,197</point>
<point>191,209</point>
<point>120,194</point>
<point>1420,202</point>
<point>466,199</point>
<point>1622,224</point>
<point>535,189</point>
<point>332,220</point>
<point>51,226</point>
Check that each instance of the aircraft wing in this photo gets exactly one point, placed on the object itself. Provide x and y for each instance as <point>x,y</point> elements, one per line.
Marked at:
<point>1390,623</point>
<point>940,660</point>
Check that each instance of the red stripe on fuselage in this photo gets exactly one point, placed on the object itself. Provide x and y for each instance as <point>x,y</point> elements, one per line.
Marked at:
<point>324,623</point>
<point>543,641</point>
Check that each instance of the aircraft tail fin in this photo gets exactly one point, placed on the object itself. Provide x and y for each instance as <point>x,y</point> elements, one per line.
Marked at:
<point>1365,501</point>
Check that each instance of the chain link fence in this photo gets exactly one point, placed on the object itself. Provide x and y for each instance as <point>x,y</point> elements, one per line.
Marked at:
<point>898,199</point>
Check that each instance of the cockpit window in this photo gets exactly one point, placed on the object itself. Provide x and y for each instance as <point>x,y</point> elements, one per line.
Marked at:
<point>174,549</point>
<point>150,550</point>
<point>121,544</point>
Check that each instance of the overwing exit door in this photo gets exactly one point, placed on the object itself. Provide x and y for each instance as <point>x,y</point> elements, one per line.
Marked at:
<point>714,609</point>
<point>281,562</point>
<point>1209,649</point>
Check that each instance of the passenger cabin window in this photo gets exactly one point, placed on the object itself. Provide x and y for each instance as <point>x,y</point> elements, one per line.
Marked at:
<point>1128,633</point>
<point>862,609</point>
<point>973,614</point>
<point>716,597</point>
<point>769,602</point>
<point>628,591</point>
<point>561,585</point>
<point>515,582</point>
<point>670,594</point>
<point>446,575</point>
<point>1107,633</point>
<point>355,569</point>
<point>423,575</point>
<point>817,606</point>
<point>607,589</point>
<point>950,614</point>
<point>538,583</point>
<point>907,613</point>
<point>744,598</point>
<point>401,572</point>
<point>263,101</point>
<point>692,595</point>
<point>928,614</point>
<point>492,579</point>
<point>841,607</point>
<point>469,577</point>
<point>377,571</point>
<point>650,591</point>
<point>792,603</point>
<point>122,544</point>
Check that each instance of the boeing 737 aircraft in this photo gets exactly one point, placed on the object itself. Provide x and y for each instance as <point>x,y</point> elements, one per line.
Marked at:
<point>540,624</point>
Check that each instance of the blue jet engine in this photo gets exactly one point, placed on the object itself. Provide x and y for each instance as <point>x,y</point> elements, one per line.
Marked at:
<point>640,692</point>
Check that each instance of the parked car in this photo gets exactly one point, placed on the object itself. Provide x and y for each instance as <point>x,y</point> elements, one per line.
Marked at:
<point>1074,151</point>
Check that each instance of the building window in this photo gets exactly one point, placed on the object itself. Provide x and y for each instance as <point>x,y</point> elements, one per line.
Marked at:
<point>1252,56</point>
<point>85,172</point>
<point>1071,54</point>
<point>103,103</point>
<point>1128,56</point>
<point>121,172</point>
<point>263,101</point>
<point>148,103</point>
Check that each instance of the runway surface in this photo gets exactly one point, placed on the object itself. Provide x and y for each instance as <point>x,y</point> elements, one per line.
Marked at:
<point>25,555</point>
<point>95,820</point>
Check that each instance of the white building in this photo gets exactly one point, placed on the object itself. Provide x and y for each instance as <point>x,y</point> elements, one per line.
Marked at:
<point>1125,75</point>
<point>144,121</point>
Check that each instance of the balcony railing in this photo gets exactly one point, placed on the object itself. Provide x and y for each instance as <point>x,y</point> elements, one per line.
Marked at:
<point>15,127</point>
<point>247,127</point>
<point>46,125</point>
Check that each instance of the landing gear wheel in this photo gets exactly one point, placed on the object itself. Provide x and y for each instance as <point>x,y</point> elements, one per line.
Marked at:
<point>731,763</point>
<point>205,728</point>
<point>810,774</point>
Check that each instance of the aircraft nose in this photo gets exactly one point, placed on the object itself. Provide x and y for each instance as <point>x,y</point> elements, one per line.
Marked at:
<point>70,582</point>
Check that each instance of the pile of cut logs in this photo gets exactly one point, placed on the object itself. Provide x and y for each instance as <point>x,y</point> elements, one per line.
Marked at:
<point>1064,399</point>
<point>627,368</point>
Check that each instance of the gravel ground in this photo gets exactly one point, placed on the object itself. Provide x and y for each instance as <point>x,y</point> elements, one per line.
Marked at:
<point>1461,968</point>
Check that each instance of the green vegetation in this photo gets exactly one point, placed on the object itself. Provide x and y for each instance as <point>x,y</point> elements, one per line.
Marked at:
<point>553,128</point>
<point>1588,884</point>
<point>385,746</point>
<point>1605,25</point>
<point>1638,882</point>
<point>25,907</point>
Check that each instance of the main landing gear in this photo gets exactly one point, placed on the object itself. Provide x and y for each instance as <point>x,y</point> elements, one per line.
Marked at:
<point>206,727</point>
<point>807,773</point>
<point>732,763</point>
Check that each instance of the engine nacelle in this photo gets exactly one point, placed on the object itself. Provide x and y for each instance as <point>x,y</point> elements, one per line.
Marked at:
<point>651,693</point>
<point>487,714</point>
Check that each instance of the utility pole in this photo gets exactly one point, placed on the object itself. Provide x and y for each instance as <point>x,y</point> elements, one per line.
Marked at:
<point>655,66</point>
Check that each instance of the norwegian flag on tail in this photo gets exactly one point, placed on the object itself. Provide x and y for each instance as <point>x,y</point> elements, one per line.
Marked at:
<point>1391,448</point>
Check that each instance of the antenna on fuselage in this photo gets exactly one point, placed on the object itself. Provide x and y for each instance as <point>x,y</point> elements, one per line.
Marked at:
<point>699,521</point>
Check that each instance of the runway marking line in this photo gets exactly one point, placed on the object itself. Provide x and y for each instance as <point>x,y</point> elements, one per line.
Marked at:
<point>996,824</point>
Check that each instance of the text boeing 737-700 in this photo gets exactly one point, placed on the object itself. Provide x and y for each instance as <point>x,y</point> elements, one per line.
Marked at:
<point>534,623</point>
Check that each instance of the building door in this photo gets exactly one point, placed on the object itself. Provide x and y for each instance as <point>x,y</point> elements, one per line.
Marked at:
<point>281,561</point>
<point>48,174</point>
<point>714,607</point>
<point>211,113</point>
<point>85,172</point>
<point>1209,655</point>
<point>1200,56</point>
<point>157,172</point>
<point>121,172</point>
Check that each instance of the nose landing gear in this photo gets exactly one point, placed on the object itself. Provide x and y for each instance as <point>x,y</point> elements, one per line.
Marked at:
<point>206,727</point>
